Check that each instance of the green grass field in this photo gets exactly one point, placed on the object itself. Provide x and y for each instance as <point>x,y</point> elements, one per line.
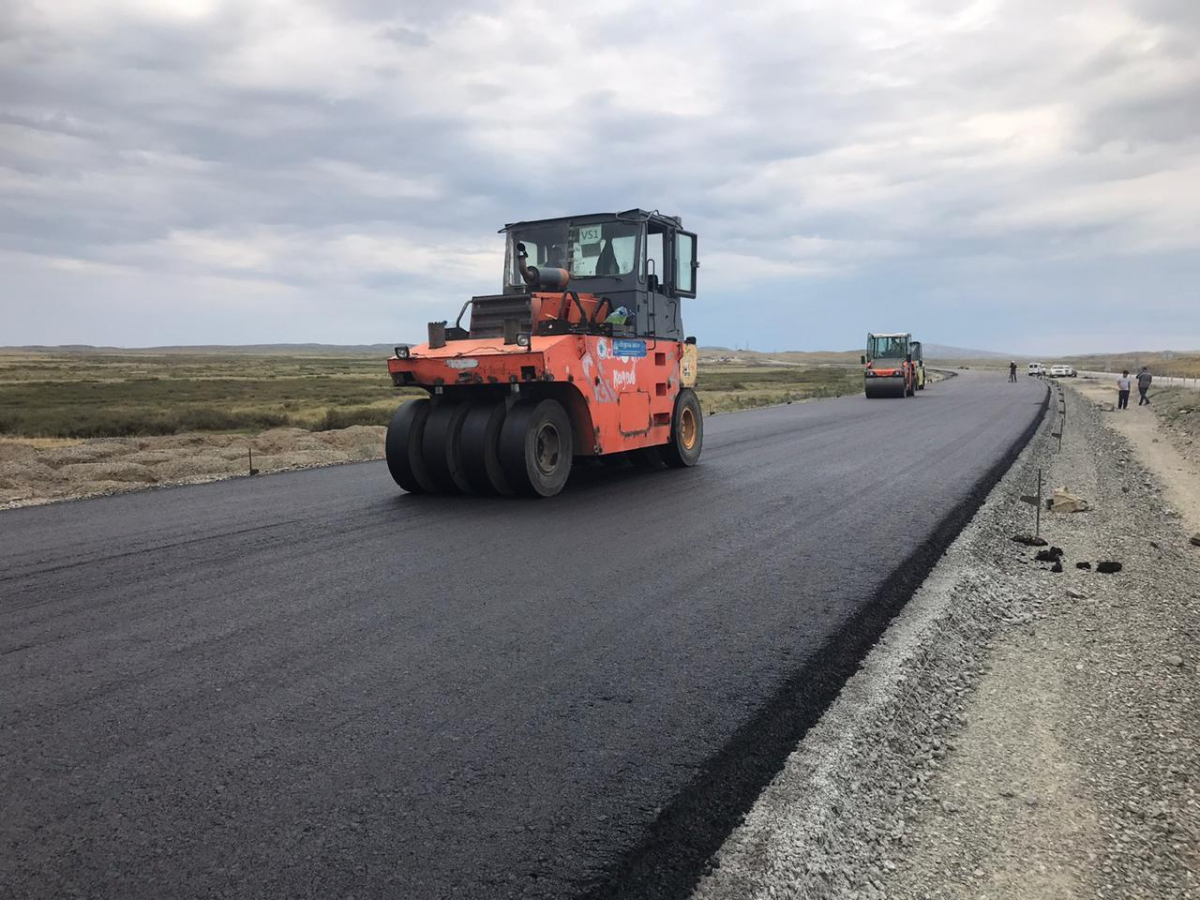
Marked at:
<point>724,388</point>
<point>109,394</point>
<point>89,394</point>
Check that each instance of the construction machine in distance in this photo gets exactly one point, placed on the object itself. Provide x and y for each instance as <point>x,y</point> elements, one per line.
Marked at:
<point>582,355</point>
<point>888,369</point>
<point>918,356</point>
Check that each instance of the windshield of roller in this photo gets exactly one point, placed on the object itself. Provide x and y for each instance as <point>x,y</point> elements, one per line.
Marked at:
<point>602,249</point>
<point>885,346</point>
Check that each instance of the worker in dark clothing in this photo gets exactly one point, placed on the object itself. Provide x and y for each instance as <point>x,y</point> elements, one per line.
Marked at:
<point>1123,384</point>
<point>1012,370</point>
<point>1144,379</point>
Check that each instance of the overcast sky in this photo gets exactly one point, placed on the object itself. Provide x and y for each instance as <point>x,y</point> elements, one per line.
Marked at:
<point>1018,176</point>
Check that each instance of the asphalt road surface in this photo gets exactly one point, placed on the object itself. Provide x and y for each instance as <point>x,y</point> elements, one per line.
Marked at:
<point>312,685</point>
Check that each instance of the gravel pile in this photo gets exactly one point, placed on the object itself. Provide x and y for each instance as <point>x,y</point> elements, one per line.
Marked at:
<point>1018,732</point>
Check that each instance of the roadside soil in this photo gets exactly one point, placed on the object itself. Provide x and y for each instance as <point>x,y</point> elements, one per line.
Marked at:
<point>1017,733</point>
<point>41,471</point>
<point>1076,773</point>
<point>1166,435</point>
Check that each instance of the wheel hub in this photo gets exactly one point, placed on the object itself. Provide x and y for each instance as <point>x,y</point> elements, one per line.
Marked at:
<point>546,449</point>
<point>687,428</point>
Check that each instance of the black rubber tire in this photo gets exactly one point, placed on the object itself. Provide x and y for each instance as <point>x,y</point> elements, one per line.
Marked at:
<point>648,458</point>
<point>441,447</point>
<point>536,448</point>
<point>479,444</point>
<point>402,447</point>
<point>687,432</point>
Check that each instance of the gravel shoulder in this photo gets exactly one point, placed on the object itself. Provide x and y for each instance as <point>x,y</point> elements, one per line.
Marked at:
<point>1017,733</point>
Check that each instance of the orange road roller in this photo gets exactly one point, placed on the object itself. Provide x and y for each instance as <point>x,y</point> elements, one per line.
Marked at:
<point>582,356</point>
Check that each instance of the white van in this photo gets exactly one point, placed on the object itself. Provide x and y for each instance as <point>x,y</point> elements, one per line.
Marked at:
<point>1036,369</point>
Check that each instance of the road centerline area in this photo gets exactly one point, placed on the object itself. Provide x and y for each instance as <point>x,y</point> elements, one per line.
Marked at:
<point>309,684</point>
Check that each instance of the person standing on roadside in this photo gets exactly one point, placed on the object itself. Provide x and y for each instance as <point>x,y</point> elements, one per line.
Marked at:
<point>1144,379</point>
<point>1123,385</point>
<point>1012,370</point>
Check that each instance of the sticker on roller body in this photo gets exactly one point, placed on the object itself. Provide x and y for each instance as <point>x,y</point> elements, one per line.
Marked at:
<point>627,349</point>
<point>462,363</point>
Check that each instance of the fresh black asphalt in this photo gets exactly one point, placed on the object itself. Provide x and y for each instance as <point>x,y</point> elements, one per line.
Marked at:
<point>312,685</point>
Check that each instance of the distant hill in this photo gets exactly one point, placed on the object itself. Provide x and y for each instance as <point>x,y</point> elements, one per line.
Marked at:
<point>1185,364</point>
<point>786,357</point>
<point>943,351</point>
<point>932,351</point>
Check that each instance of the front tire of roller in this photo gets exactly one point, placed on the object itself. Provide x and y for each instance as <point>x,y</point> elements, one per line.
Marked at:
<point>687,432</point>
<point>536,448</point>
<point>402,447</point>
<point>441,447</point>
<point>480,447</point>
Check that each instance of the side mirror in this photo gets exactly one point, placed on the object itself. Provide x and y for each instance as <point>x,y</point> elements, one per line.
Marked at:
<point>863,359</point>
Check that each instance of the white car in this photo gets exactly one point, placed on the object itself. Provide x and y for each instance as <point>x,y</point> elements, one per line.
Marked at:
<point>1035,369</point>
<point>1062,372</point>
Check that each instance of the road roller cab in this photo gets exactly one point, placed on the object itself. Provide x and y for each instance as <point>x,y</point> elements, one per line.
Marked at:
<point>888,367</point>
<point>581,354</point>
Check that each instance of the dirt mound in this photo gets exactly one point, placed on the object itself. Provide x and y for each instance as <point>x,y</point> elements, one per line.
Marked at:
<point>118,470</point>
<point>360,441</point>
<point>86,452</point>
<point>35,472</point>
<point>183,469</point>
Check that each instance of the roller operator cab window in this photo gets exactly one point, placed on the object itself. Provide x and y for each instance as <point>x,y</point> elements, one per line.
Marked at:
<point>655,256</point>
<point>685,262</point>
<point>885,347</point>
<point>600,250</point>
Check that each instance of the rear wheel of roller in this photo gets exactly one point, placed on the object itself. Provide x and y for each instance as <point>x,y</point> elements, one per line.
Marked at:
<point>687,432</point>
<point>402,447</point>
<point>441,447</point>
<point>479,446</point>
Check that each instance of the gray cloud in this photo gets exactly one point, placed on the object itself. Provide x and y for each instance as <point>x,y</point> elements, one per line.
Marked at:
<point>198,170</point>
